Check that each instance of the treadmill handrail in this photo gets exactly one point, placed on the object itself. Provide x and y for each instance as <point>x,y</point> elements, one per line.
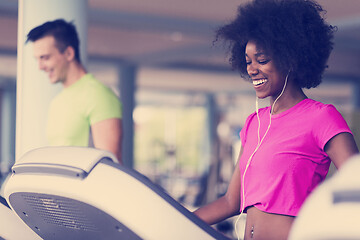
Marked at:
<point>74,161</point>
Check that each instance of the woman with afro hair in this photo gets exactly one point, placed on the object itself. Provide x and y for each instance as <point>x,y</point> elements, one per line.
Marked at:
<point>281,46</point>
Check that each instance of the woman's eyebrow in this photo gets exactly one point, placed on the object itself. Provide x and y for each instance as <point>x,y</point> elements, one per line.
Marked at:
<point>260,54</point>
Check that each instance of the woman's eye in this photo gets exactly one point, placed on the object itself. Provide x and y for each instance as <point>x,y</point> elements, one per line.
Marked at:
<point>263,61</point>
<point>248,63</point>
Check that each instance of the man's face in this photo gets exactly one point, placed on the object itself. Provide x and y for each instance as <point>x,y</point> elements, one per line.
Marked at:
<point>50,59</point>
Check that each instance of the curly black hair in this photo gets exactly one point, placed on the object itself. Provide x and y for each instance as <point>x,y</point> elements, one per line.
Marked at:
<point>293,32</point>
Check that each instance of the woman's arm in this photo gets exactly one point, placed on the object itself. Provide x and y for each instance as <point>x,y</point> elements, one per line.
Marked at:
<point>340,148</point>
<point>226,206</point>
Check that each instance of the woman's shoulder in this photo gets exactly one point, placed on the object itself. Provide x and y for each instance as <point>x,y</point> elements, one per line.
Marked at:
<point>319,112</point>
<point>261,112</point>
<point>321,108</point>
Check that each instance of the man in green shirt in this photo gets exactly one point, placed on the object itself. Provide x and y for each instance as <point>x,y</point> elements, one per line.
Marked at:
<point>85,104</point>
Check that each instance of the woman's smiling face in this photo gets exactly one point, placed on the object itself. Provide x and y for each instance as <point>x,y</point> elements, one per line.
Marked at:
<point>267,80</point>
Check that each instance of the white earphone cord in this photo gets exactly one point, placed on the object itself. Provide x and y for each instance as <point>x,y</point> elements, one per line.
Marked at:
<point>257,147</point>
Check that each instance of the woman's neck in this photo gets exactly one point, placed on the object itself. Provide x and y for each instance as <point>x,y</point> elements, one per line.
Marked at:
<point>288,99</point>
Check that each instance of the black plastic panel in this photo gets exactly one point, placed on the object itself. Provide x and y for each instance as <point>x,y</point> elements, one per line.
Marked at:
<point>55,217</point>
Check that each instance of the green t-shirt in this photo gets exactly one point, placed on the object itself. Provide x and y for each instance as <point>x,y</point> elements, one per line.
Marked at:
<point>76,108</point>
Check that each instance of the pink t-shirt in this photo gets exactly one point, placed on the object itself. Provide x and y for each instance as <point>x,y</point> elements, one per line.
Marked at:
<point>291,160</point>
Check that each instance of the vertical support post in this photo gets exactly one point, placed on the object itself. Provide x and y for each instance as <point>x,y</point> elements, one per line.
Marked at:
<point>127,95</point>
<point>356,113</point>
<point>34,92</point>
<point>8,102</point>
<point>211,193</point>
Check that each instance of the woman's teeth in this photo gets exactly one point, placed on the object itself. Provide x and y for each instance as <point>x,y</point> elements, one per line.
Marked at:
<point>259,82</point>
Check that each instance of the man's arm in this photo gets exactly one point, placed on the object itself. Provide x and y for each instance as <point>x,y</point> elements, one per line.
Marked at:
<point>107,135</point>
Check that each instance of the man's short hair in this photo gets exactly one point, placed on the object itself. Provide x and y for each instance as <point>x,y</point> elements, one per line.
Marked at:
<point>64,33</point>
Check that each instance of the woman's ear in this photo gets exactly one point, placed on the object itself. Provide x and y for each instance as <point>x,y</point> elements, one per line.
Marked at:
<point>69,53</point>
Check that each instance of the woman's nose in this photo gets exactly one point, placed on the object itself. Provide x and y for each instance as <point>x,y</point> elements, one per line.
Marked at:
<point>252,69</point>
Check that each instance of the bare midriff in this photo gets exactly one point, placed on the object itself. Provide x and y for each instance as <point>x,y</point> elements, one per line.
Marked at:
<point>262,225</point>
